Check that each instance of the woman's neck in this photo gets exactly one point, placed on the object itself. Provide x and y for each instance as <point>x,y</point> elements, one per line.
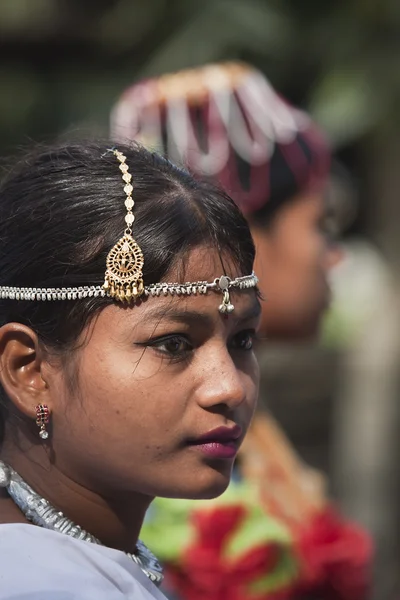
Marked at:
<point>115,520</point>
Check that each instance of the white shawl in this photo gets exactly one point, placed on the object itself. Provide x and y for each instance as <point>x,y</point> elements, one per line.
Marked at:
<point>39,564</point>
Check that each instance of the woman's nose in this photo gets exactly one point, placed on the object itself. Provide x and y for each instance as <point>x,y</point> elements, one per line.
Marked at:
<point>224,384</point>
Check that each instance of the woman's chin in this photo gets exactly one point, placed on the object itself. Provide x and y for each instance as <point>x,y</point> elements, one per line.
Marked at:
<point>213,484</point>
<point>200,490</point>
<point>211,493</point>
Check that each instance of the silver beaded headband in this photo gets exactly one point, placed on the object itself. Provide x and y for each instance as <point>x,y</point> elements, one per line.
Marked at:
<point>124,271</point>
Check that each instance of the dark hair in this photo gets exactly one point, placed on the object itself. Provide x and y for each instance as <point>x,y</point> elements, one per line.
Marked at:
<point>62,209</point>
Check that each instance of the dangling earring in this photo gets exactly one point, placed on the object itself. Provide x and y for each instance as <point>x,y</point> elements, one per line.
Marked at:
<point>42,419</point>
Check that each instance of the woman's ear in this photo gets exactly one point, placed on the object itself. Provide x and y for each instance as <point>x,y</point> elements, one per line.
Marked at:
<point>21,368</point>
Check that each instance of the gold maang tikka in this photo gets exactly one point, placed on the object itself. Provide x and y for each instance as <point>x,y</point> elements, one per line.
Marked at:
<point>124,271</point>
<point>124,263</point>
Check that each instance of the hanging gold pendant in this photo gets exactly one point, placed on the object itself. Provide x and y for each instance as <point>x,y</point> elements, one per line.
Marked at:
<point>123,277</point>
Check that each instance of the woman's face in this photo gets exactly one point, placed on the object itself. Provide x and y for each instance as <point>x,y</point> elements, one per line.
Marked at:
<point>152,380</point>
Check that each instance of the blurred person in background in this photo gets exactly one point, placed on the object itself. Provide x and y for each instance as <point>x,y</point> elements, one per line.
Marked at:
<point>274,534</point>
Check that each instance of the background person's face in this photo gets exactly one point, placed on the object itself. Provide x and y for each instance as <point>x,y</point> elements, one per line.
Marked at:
<point>293,260</point>
<point>152,378</point>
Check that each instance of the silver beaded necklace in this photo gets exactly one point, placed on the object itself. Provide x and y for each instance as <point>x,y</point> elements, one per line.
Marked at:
<point>41,513</point>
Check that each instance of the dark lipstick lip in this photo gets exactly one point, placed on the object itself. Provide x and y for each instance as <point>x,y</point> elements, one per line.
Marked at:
<point>220,434</point>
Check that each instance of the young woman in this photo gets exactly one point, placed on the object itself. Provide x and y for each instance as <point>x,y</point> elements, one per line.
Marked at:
<point>226,122</point>
<point>128,308</point>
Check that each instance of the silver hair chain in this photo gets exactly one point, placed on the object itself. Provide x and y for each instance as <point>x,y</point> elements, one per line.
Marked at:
<point>40,512</point>
<point>221,284</point>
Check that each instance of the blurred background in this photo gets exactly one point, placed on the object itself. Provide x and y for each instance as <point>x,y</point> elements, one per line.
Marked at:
<point>63,65</point>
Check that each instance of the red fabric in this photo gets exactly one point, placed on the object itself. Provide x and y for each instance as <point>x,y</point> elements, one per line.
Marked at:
<point>336,557</point>
<point>205,574</point>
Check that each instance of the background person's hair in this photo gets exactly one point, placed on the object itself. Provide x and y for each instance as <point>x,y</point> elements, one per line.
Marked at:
<point>62,209</point>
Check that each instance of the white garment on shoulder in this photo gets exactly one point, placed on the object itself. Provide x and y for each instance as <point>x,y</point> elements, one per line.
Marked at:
<point>39,564</point>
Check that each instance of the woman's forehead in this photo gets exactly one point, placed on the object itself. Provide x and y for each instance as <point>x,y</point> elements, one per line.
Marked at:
<point>202,263</point>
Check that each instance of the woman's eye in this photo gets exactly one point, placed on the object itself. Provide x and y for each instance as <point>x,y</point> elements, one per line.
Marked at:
<point>244,340</point>
<point>173,346</point>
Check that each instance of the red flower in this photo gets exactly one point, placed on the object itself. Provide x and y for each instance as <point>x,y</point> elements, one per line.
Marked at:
<point>204,573</point>
<point>336,558</point>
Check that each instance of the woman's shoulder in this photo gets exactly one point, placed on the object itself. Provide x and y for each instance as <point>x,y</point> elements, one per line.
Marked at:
<point>40,564</point>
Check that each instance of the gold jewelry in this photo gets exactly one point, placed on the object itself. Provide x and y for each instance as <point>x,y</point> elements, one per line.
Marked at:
<point>124,278</point>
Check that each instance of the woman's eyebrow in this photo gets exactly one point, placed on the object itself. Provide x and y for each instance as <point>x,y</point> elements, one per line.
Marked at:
<point>198,318</point>
<point>251,312</point>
